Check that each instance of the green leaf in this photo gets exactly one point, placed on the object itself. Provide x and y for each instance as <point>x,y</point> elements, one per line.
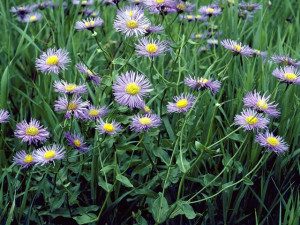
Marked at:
<point>124,180</point>
<point>183,164</point>
<point>159,209</point>
<point>86,218</point>
<point>183,208</point>
<point>247,181</point>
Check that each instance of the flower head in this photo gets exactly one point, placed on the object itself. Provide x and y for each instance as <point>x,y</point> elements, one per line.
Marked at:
<point>23,159</point>
<point>90,13</point>
<point>183,6</point>
<point>285,60</point>
<point>130,88</point>
<point>144,122</point>
<point>210,10</point>
<point>271,142</point>
<point>89,24</point>
<point>109,128</point>
<point>261,103</point>
<point>160,6</point>
<point>75,106</point>
<point>237,47</point>
<point>31,132</point>
<point>21,11</point>
<point>31,17</point>
<point>130,11</point>
<point>48,154</point>
<point>69,88</point>
<point>76,141</point>
<point>96,112</point>
<point>53,61</point>
<point>251,120</point>
<point>201,83</point>
<point>183,103</point>
<point>288,74</point>
<point>92,76</point>
<point>4,116</point>
<point>153,29</point>
<point>151,48</point>
<point>250,7</point>
<point>83,2</point>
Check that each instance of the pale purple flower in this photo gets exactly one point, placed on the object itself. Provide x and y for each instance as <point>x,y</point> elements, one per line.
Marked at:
<point>4,116</point>
<point>91,13</point>
<point>130,11</point>
<point>154,29</point>
<point>136,2</point>
<point>48,154</point>
<point>69,88</point>
<point>96,112</point>
<point>89,24</point>
<point>237,47</point>
<point>183,6</point>
<point>109,128</point>
<point>262,54</point>
<point>210,10</point>
<point>53,61</point>
<point>83,2</point>
<point>271,142</point>
<point>130,88</point>
<point>31,17</point>
<point>250,7</point>
<point>131,25</point>
<point>76,141</point>
<point>261,103</point>
<point>74,106</point>
<point>182,104</point>
<point>151,48</point>
<point>31,132</point>
<point>251,120</point>
<point>21,11</point>
<point>288,74</point>
<point>91,75</point>
<point>201,83</point>
<point>23,159</point>
<point>160,6</point>
<point>285,60</point>
<point>46,4</point>
<point>188,17</point>
<point>144,122</point>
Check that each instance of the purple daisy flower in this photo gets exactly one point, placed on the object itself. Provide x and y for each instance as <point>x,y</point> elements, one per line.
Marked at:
<point>183,103</point>
<point>271,142</point>
<point>130,11</point>
<point>160,6</point>
<point>31,132</point>
<point>146,109</point>
<point>151,48</point>
<point>210,10</point>
<point>188,17</point>
<point>74,106</point>
<point>288,74</point>
<point>136,2</point>
<point>131,25</point>
<point>183,6</point>
<point>4,116</point>
<point>154,29</point>
<point>108,128</point>
<point>69,88</point>
<point>261,103</point>
<point>53,61</point>
<point>89,24</point>
<point>130,88</point>
<point>21,11</point>
<point>31,17</point>
<point>199,17</point>
<point>83,2</point>
<point>46,4</point>
<point>201,83</point>
<point>76,141</point>
<point>23,159</point>
<point>92,76</point>
<point>96,112</point>
<point>48,154</point>
<point>260,53</point>
<point>250,7</point>
<point>90,13</point>
<point>145,122</point>
<point>285,60</point>
<point>251,120</point>
<point>237,47</point>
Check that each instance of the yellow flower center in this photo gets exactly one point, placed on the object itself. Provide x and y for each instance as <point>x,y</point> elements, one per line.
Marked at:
<point>251,120</point>
<point>190,17</point>
<point>238,48</point>
<point>49,154</point>
<point>197,35</point>
<point>89,23</point>
<point>132,89</point>
<point>151,48</point>
<point>109,127</point>
<point>145,121</point>
<point>28,159</point>
<point>272,141</point>
<point>132,24</point>
<point>32,131</point>
<point>198,16</point>
<point>203,80</point>
<point>72,106</point>
<point>182,103</point>
<point>262,104</point>
<point>32,18</point>
<point>93,112</point>
<point>84,2</point>
<point>210,10</point>
<point>147,109</point>
<point>52,60</point>
<point>89,72</point>
<point>70,87</point>
<point>160,1</point>
<point>290,76</point>
<point>77,142</point>
<point>181,6</point>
